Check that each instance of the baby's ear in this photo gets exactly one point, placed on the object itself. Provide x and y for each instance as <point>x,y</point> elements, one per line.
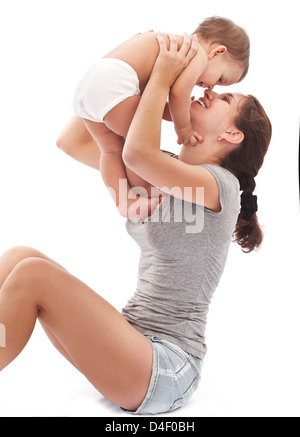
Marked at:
<point>216,50</point>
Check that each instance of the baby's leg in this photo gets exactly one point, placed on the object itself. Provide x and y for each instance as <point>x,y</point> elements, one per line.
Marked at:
<point>111,163</point>
<point>131,202</point>
<point>110,138</point>
<point>105,138</point>
<point>77,142</point>
<point>119,118</point>
<point>112,167</point>
<point>109,141</point>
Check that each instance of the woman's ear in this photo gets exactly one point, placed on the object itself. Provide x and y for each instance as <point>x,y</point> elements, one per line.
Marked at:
<point>216,50</point>
<point>233,137</point>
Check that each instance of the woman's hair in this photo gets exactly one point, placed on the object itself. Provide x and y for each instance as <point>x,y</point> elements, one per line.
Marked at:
<point>225,32</point>
<point>244,162</point>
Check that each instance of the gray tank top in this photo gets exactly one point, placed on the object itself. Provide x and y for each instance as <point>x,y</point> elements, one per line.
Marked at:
<point>179,269</point>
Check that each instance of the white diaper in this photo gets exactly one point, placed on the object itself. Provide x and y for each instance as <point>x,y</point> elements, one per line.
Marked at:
<point>104,86</point>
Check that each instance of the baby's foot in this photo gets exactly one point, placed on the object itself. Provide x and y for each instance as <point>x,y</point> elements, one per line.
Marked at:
<point>139,208</point>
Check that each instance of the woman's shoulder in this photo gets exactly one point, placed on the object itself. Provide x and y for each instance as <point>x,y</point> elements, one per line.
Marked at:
<point>228,185</point>
<point>221,173</point>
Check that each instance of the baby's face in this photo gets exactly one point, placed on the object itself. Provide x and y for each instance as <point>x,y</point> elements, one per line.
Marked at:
<point>220,71</point>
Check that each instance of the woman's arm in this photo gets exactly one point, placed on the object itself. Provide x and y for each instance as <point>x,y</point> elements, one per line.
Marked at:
<point>142,147</point>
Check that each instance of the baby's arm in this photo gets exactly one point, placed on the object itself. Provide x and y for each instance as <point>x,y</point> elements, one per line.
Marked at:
<point>180,98</point>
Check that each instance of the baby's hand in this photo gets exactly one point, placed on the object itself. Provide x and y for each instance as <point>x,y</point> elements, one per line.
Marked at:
<point>188,135</point>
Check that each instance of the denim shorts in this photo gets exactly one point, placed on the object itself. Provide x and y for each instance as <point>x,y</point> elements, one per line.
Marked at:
<point>175,377</point>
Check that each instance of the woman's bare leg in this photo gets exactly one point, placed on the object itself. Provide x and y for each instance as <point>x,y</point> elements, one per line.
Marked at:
<point>115,357</point>
<point>8,261</point>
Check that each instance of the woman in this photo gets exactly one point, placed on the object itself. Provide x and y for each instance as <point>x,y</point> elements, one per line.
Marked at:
<point>148,359</point>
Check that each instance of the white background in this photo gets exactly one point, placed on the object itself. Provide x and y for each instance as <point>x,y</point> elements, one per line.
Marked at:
<point>51,202</point>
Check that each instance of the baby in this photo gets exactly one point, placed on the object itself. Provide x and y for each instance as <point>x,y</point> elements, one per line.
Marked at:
<point>107,96</point>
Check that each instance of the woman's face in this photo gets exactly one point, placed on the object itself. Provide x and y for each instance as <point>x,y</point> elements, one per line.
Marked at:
<point>214,113</point>
<point>212,116</point>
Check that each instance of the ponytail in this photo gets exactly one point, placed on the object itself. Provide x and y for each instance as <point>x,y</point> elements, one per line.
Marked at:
<point>247,232</point>
<point>245,162</point>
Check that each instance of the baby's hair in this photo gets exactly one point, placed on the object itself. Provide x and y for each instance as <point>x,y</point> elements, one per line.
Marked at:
<point>225,32</point>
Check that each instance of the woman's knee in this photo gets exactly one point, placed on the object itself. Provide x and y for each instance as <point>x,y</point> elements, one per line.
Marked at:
<point>17,253</point>
<point>27,275</point>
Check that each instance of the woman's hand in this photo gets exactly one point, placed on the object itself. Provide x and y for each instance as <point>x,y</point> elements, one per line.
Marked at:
<point>142,144</point>
<point>171,62</point>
